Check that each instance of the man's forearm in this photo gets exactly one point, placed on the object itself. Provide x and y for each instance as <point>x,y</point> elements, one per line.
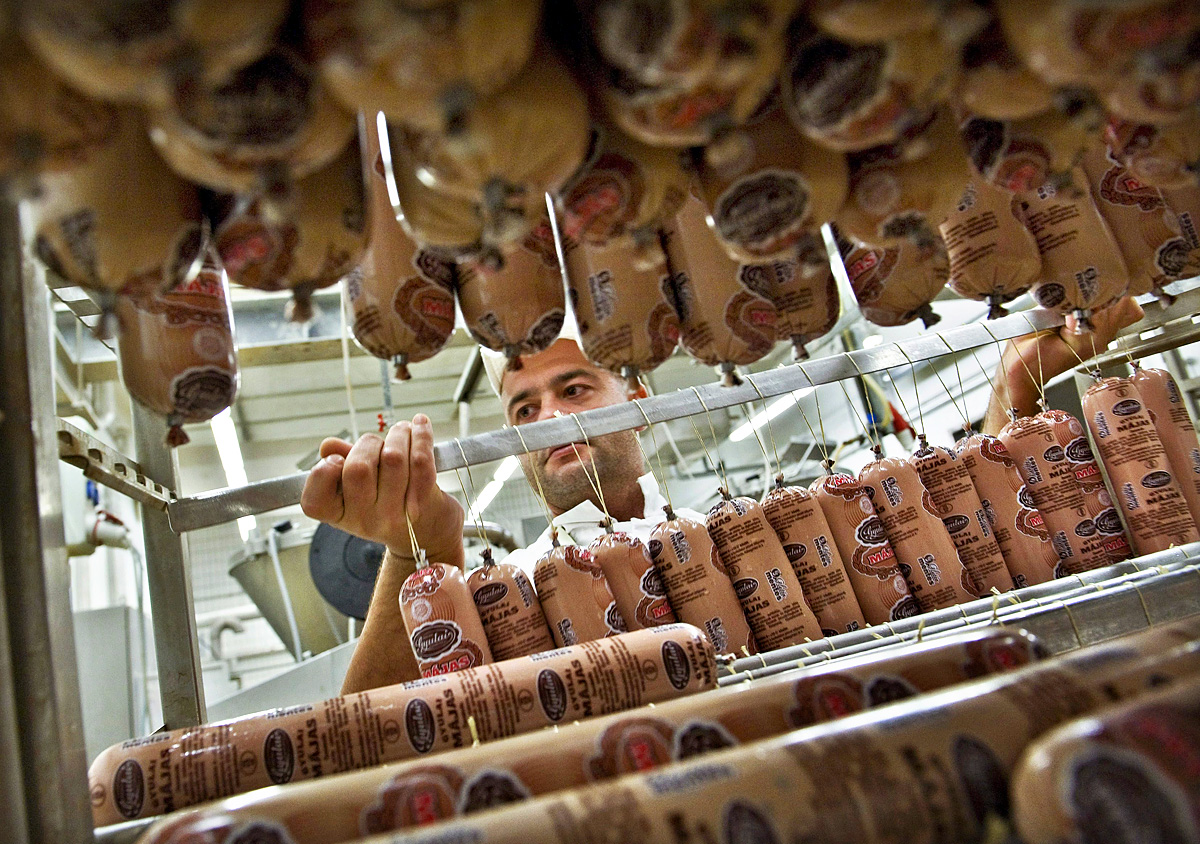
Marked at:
<point>383,655</point>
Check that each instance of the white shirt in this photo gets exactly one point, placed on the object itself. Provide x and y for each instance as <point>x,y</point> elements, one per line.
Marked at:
<point>582,523</point>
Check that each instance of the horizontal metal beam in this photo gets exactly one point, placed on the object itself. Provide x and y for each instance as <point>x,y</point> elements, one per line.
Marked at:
<point>105,465</point>
<point>225,505</point>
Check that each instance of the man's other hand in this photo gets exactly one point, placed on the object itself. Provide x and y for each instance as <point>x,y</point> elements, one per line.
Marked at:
<point>365,488</point>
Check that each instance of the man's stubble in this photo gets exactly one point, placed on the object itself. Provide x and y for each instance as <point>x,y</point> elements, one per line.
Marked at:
<point>618,462</point>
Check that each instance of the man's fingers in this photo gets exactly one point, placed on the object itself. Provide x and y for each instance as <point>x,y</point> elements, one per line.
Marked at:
<point>422,473</point>
<point>394,466</point>
<point>360,475</point>
<point>322,495</point>
<point>333,445</point>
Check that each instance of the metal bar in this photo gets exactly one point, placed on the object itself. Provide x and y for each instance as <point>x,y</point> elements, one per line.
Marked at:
<point>41,648</point>
<point>12,780</point>
<point>105,465</point>
<point>176,641</point>
<point>224,505</point>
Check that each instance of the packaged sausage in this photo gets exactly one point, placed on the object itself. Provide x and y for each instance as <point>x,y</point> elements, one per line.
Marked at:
<point>1152,93</point>
<point>995,83</point>
<point>1155,252</point>
<point>130,52</point>
<point>698,585</point>
<point>1015,520</point>
<point>1136,462</point>
<point>931,769</point>
<point>317,241</point>
<point>883,593</point>
<point>255,133</point>
<point>852,97</point>
<point>509,609</point>
<point>896,286</point>
<point>774,189</point>
<point>804,292</point>
<point>516,306</point>
<point>799,522</point>
<point>1183,215</point>
<point>469,780</point>
<point>924,550</point>
<point>636,585</point>
<point>108,240</point>
<point>993,257</point>
<point>724,320</point>
<point>575,596</point>
<point>1159,156</point>
<point>899,194</point>
<point>1020,155</point>
<point>442,623</point>
<point>1163,400</point>
<point>1109,532</point>
<point>180,768</point>
<point>49,126</point>
<point>422,67</point>
<point>872,21</point>
<point>1082,267</point>
<point>1124,774</point>
<point>957,503</point>
<point>762,576</point>
<point>401,297</point>
<point>176,349</point>
<point>521,142</point>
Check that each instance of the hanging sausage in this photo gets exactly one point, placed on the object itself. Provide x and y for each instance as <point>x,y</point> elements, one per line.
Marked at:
<point>993,257</point>
<point>895,286</point>
<point>804,292</point>
<point>401,296</point>
<point>872,21</point>
<point>1160,156</point>
<point>724,320</point>
<point>995,83</point>
<point>116,221</point>
<point>176,349</point>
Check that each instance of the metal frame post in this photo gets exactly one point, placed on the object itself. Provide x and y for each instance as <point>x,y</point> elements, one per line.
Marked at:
<point>40,648</point>
<point>168,570</point>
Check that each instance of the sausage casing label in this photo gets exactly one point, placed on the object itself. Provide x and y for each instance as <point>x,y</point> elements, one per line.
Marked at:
<point>490,788</point>
<point>490,593</point>
<point>419,724</point>
<point>745,587</point>
<point>129,788</point>
<point>552,693</point>
<point>675,661</point>
<point>435,638</point>
<point>279,756</point>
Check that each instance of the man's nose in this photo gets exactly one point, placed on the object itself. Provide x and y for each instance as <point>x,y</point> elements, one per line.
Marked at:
<point>551,407</point>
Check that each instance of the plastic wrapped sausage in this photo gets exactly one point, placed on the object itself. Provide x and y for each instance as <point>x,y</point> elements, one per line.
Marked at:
<point>762,577</point>
<point>804,292</point>
<point>725,318</point>
<point>469,780</point>
<point>113,240</point>
<point>896,286</point>
<point>995,83</point>
<point>401,296</point>
<point>852,97</point>
<point>1173,424</point>
<point>636,585</point>
<point>1109,532</point>
<point>931,769</point>
<point>176,348</point>
<point>1142,476</point>
<point>870,21</point>
<point>1159,156</point>
<point>518,307</point>
<point>1124,774</point>
<point>422,67</point>
<point>509,609</point>
<point>404,721</point>
<point>923,546</point>
<point>1015,520</point>
<point>1026,154</point>
<point>957,503</point>
<point>993,257</point>
<point>575,596</point>
<point>773,188</point>
<point>883,593</point>
<point>799,522</point>
<point>442,623</point>
<point>698,585</point>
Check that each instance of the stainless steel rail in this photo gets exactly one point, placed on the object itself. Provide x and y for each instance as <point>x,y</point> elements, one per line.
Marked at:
<point>225,505</point>
<point>105,465</point>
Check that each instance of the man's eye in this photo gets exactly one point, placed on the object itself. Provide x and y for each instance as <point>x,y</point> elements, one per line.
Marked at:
<point>524,411</point>
<point>573,390</point>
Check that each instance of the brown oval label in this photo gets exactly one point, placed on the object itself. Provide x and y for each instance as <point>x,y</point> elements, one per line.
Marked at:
<point>745,587</point>
<point>870,531</point>
<point>1078,451</point>
<point>552,692</point>
<point>491,788</point>
<point>652,584</point>
<point>1050,295</point>
<point>1085,528</point>
<point>435,638</point>
<point>746,825</point>
<point>701,737</point>
<point>888,689</point>
<point>655,547</point>
<point>1054,454</point>
<point>760,207</point>
<point>1155,480</point>
<point>420,726</point>
<point>489,594</point>
<point>956,523</point>
<point>278,756</point>
<point>676,663</point>
<point>1025,498</point>
<point>1127,407</point>
<point>129,788</point>
<point>1109,522</point>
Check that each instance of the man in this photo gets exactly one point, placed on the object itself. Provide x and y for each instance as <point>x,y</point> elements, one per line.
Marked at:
<point>366,487</point>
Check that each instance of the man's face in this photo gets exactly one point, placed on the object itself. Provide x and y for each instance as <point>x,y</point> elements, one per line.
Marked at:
<point>561,380</point>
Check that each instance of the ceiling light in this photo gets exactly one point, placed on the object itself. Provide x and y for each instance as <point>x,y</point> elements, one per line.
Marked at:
<point>871,341</point>
<point>506,469</point>
<point>761,418</point>
<point>230,451</point>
